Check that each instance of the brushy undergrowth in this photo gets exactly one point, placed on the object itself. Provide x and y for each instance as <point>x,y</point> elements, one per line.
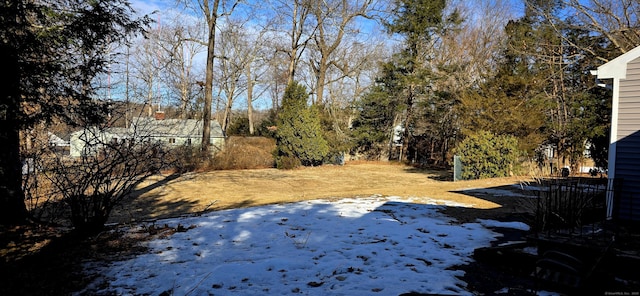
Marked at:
<point>245,153</point>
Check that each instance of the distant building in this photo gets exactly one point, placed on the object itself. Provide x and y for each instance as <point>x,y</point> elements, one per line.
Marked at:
<point>59,143</point>
<point>56,141</point>
<point>170,132</point>
<point>177,131</point>
<point>89,140</point>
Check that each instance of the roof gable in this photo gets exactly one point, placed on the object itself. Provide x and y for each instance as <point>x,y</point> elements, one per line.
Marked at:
<point>617,68</point>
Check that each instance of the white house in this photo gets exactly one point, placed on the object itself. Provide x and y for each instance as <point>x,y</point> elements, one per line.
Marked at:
<point>89,140</point>
<point>171,132</point>
<point>622,75</point>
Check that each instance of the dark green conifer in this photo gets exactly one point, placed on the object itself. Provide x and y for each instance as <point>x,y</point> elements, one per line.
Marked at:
<point>299,137</point>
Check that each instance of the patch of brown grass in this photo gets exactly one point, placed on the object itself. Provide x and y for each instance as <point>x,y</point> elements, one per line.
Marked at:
<point>216,190</point>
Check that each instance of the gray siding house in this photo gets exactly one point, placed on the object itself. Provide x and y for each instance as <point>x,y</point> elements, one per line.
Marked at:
<point>622,75</point>
<point>170,132</point>
<point>177,131</point>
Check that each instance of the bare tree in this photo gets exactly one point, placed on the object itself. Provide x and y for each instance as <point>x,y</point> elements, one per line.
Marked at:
<point>293,19</point>
<point>212,10</point>
<point>354,65</point>
<point>618,21</point>
<point>148,62</point>
<point>251,81</point>
<point>255,70</point>
<point>232,64</point>
<point>334,19</point>
<point>466,55</point>
<point>278,75</point>
<point>175,43</point>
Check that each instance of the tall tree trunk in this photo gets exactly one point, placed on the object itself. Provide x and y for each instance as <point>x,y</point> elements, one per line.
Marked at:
<point>294,48</point>
<point>127,100</point>
<point>407,121</point>
<point>250,99</point>
<point>226,119</point>
<point>298,20</point>
<point>12,206</point>
<point>292,65</point>
<point>185,86</point>
<point>150,100</point>
<point>321,74</point>
<point>212,18</point>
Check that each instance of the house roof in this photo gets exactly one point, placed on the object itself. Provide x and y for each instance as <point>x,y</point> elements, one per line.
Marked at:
<point>57,141</point>
<point>617,68</point>
<point>118,131</point>
<point>185,128</point>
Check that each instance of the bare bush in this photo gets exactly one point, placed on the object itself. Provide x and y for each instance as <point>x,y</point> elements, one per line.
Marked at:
<point>42,199</point>
<point>81,188</point>
<point>184,159</point>
<point>92,184</point>
<point>245,153</point>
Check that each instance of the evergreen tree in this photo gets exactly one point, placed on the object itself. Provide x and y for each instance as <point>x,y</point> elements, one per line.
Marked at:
<point>417,21</point>
<point>51,52</point>
<point>403,95</point>
<point>541,93</point>
<point>378,110</point>
<point>589,106</point>
<point>299,136</point>
<point>512,102</point>
<point>485,155</point>
<point>239,126</point>
<point>334,121</point>
<point>556,54</point>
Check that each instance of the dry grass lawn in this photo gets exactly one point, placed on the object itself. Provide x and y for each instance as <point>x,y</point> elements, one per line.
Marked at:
<point>167,196</point>
<point>46,261</point>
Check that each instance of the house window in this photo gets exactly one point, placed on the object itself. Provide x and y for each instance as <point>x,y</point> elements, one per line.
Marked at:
<point>189,142</point>
<point>172,140</point>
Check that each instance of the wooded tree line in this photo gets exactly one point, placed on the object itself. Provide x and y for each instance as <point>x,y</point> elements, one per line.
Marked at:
<point>402,79</point>
<point>532,83</point>
<point>442,71</point>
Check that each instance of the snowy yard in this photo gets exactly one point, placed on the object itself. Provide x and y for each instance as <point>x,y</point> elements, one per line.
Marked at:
<point>353,246</point>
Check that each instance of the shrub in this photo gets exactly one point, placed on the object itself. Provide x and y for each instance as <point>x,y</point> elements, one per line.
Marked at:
<point>485,155</point>
<point>299,133</point>
<point>287,162</point>
<point>184,159</point>
<point>245,153</point>
<point>239,126</point>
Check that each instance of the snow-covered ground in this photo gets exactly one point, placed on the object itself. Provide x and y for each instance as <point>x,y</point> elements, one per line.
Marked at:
<point>354,246</point>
